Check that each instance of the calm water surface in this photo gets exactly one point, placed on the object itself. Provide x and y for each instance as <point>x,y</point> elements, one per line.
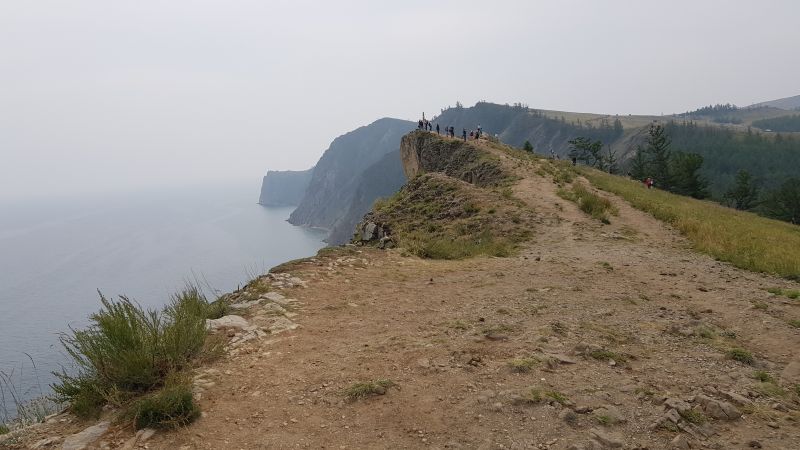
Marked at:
<point>56,255</point>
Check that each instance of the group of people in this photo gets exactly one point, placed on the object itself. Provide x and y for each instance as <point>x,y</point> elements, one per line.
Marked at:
<point>649,182</point>
<point>424,124</point>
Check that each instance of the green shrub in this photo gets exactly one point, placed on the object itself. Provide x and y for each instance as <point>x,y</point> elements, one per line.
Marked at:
<point>795,323</point>
<point>741,355</point>
<point>169,407</point>
<point>127,351</point>
<point>4,429</point>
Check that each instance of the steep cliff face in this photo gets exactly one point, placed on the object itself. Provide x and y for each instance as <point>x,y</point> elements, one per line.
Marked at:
<point>423,152</point>
<point>451,206</point>
<point>337,177</point>
<point>284,188</point>
<point>379,180</point>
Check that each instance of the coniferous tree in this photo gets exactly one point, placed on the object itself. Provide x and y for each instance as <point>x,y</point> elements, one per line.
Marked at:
<point>659,154</point>
<point>639,165</point>
<point>743,194</point>
<point>784,203</point>
<point>527,146</point>
<point>611,159</point>
<point>684,175</point>
<point>588,151</point>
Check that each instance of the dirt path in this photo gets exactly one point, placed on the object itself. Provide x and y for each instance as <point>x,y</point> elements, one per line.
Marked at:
<point>606,322</point>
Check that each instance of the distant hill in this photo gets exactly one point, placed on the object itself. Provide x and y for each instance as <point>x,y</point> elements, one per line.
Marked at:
<point>788,103</point>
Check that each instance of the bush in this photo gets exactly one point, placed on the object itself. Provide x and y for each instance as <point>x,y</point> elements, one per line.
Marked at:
<point>741,355</point>
<point>170,407</point>
<point>127,351</point>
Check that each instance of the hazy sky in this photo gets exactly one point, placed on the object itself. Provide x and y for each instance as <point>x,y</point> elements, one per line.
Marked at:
<point>98,96</point>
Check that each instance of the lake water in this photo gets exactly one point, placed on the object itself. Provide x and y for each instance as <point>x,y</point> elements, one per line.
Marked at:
<point>56,255</point>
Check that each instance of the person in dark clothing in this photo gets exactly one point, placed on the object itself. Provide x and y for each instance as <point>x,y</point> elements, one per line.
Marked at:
<point>419,124</point>
<point>574,161</point>
<point>437,128</point>
<point>464,134</point>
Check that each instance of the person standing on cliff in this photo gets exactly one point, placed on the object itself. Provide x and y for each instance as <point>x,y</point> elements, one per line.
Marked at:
<point>437,128</point>
<point>464,134</point>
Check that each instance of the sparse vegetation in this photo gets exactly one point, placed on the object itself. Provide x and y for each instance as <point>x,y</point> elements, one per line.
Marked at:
<point>795,323</point>
<point>693,416</point>
<point>128,352</point>
<point>770,389</point>
<point>361,390</point>
<point>790,293</point>
<point>590,203</point>
<point>558,397</point>
<point>757,304</point>
<point>763,376</point>
<point>437,217</point>
<point>741,238</point>
<point>523,365</point>
<point>605,355</point>
<point>741,355</point>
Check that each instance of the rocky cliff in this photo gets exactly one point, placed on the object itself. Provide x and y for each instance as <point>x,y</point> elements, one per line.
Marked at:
<point>284,188</point>
<point>423,152</point>
<point>337,190</point>
<point>379,180</point>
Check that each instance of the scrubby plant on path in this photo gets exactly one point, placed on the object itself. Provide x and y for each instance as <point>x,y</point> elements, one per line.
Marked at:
<point>127,351</point>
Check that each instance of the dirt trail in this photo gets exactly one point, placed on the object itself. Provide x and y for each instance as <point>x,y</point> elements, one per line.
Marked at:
<point>614,320</point>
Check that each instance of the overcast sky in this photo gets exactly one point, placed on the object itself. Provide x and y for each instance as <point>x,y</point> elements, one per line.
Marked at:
<point>100,96</point>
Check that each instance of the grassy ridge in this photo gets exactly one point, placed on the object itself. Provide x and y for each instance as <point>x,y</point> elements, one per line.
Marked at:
<point>744,239</point>
<point>438,217</point>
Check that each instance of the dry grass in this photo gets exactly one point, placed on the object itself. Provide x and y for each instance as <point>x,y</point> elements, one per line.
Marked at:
<point>744,239</point>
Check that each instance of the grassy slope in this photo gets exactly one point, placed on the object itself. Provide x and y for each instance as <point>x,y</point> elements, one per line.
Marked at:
<point>741,238</point>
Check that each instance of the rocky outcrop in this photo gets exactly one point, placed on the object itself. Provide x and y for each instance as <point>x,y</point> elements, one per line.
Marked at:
<point>284,188</point>
<point>423,152</point>
<point>339,189</point>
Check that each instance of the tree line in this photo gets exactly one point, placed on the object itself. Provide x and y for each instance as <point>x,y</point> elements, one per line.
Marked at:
<point>687,172</point>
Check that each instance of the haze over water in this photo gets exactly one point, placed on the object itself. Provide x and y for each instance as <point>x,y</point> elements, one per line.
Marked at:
<point>56,254</point>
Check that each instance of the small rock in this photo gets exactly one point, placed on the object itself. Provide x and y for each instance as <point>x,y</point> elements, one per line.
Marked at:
<point>232,321</point>
<point>680,443</point>
<point>754,444</point>
<point>80,441</point>
<point>46,442</point>
<point>608,439</point>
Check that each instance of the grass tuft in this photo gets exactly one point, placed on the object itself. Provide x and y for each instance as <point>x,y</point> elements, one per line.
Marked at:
<point>169,407</point>
<point>361,390</point>
<point>594,205</point>
<point>128,351</point>
<point>763,376</point>
<point>692,416</point>
<point>523,365</point>
<point>741,355</point>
